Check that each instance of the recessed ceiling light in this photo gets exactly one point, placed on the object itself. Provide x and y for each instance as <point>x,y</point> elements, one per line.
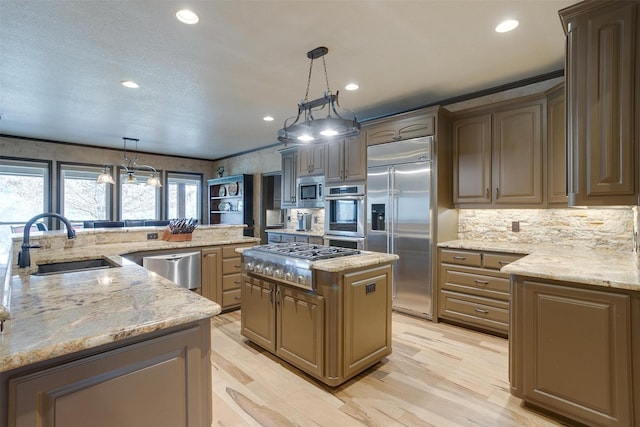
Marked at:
<point>352,86</point>
<point>507,25</point>
<point>267,118</point>
<point>186,16</point>
<point>130,84</point>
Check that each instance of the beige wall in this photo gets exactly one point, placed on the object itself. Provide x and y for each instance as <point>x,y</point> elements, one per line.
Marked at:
<point>57,152</point>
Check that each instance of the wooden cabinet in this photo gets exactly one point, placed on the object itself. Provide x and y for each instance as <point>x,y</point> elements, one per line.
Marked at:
<point>311,160</point>
<point>162,381</point>
<point>288,180</point>
<point>399,127</point>
<point>285,321</point>
<point>556,147</point>
<point>231,201</point>
<point>346,160</point>
<point>498,156</point>
<point>332,333</point>
<point>221,275</point>
<point>574,350</point>
<point>603,101</point>
<point>472,291</point>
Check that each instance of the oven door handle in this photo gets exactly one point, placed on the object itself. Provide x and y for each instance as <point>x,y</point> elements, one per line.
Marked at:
<point>344,197</point>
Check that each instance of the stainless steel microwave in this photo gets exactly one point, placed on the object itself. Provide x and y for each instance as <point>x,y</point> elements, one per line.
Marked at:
<point>309,192</point>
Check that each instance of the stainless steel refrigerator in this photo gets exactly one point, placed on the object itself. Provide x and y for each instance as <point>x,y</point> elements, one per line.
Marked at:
<point>399,217</point>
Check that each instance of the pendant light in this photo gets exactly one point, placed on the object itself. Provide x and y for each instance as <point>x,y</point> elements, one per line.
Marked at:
<point>305,128</point>
<point>130,166</point>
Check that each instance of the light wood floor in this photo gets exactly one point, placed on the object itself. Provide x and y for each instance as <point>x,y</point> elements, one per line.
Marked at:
<point>438,375</point>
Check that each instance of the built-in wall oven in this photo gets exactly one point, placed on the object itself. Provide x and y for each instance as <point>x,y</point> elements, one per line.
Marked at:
<point>345,216</point>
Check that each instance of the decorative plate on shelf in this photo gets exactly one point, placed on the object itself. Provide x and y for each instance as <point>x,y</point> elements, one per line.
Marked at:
<point>224,206</point>
<point>222,192</point>
<point>232,188</point>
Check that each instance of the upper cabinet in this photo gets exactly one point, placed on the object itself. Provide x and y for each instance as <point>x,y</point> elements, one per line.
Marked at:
<point>497,155</point>
<point>396,129</point>
<point>311,160</point>
<point>603,93</point>
<point>346,160</point>
<point>288,180</point>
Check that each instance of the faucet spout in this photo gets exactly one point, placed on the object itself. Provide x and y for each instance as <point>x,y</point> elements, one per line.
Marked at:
<point>24,257</point>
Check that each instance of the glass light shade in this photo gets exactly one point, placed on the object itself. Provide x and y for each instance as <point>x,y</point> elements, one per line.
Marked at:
<point>105,178</point>
<point>154,181</point>
<point>130,179</point>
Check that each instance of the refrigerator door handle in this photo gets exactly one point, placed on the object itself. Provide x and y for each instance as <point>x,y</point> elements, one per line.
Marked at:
<point>392,208</point>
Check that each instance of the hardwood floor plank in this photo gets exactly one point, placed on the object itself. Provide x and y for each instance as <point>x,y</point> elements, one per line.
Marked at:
<point>438,375</point>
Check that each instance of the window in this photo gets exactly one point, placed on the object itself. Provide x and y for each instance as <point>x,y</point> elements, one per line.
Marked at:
<point>24,191</point>
<point>81,197</point>
<point>184,195</point>
<point>138,200</point>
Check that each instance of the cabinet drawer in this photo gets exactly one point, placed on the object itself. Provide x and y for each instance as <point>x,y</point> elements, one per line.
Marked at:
<point>231,265</point>
<point>477,311</point>
<point>229,251</point>
<point>274,237</point>
<point>231,281</point>
<point>287,238</point>
<point>485,286</point>
<point>461,257</point>
<point>302,239</point>
<point>498,261</point>
<point>316,240</point>
<point>231,298</point>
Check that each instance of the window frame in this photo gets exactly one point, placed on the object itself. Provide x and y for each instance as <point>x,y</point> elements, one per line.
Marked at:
<point>185,175</point>
<point>110,191</point>
<point>159,194</point>
<point>47,202</point>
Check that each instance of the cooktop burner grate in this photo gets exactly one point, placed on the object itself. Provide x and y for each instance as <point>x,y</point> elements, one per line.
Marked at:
<point>306,251</point>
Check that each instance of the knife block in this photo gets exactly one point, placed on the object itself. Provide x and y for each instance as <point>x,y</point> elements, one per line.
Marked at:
<point>182,237</point>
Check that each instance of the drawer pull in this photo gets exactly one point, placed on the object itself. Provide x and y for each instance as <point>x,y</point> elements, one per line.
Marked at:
<point>236,297</point>
<point>480,310</point>
<point>481,282</point>
<point>237,265</point>
<point>237,281</point>
<point>459,258</point>
<point>503,262</point>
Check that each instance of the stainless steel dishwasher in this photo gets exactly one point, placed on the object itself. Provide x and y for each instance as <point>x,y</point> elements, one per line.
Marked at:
<point>182,268</point>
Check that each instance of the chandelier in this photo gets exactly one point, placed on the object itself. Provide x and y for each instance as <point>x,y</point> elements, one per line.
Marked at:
<point>305,128</point>
<point>130,166</point>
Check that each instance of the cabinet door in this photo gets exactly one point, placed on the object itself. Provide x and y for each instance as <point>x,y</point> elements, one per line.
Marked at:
<point>288,182</point>
<point>367,322</point>
<point>334,171</point>
<point>258,316</point>
<point>556,148</point>
<point>602,95</point>
<point>300,329</point>
<point>397,129</point>
<point>163,382</point>
<point>576,351</point>
<point>355,159</point>
<point>311,160</point>
<point>472,160</point>
<point>517,155</point>
<point>212,274</point>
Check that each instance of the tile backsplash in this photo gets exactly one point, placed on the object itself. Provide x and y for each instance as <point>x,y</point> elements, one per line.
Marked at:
<point>586,228</point>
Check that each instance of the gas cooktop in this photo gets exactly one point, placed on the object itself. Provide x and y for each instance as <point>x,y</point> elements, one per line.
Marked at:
<point>305,250</point>
<point>289,262</point>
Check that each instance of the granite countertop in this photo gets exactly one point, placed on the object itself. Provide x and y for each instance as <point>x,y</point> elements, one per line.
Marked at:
<point>317,233</point>
<point>597,267</point>
<point>65,313</point>
<point>61,314</point>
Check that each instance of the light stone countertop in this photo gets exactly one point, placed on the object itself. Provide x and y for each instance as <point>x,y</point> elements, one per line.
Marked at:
<point>597,267</point>
<point>60,314</point>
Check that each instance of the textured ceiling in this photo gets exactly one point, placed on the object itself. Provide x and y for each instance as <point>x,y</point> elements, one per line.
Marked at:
<point>205,88</point>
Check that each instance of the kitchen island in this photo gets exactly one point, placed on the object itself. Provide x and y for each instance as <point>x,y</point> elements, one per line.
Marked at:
<point>117,346</point>
<point>331,319</point>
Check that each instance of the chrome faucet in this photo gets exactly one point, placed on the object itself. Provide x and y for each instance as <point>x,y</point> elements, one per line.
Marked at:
<point>24,257</point>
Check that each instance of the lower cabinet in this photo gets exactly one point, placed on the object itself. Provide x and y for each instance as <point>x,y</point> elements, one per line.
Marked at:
<point>575,350</point>
<point>472,291</point>
<point>333,333</point>
<point>285,321</point>
<point>288,238</point>
<point>221,275</point>
<point>164,381</point>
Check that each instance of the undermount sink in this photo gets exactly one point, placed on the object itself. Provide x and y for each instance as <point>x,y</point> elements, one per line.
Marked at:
<point>71,266</point>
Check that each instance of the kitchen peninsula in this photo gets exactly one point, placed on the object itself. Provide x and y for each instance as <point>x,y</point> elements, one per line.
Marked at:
<point>106,347</point>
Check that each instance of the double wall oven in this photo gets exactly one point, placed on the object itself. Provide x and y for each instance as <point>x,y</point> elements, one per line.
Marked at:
<point>345,216</point>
